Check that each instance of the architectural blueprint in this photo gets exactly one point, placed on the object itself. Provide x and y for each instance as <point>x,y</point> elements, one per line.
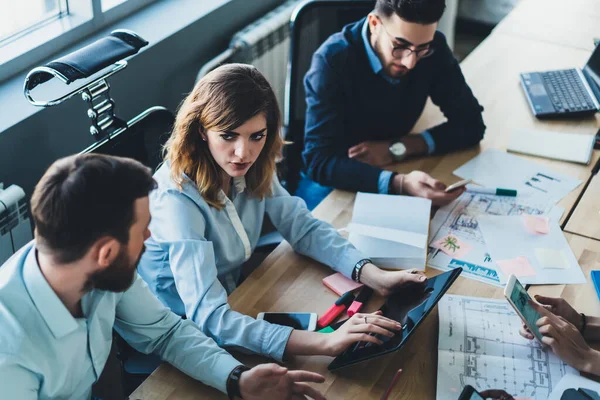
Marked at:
<point>479,345</point>
<point>459,218</point>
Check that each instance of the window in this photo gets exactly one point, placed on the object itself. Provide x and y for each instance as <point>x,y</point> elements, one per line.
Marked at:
<point>18,17</point>
<point>32,31</point>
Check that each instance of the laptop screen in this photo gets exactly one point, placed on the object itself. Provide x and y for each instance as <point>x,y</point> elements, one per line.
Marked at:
<point>592,69</point>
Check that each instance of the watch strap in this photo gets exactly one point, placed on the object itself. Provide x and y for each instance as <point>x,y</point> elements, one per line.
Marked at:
<point>233,382</point>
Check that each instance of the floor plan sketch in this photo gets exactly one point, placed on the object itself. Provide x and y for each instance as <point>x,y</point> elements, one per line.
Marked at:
<point>460,219</point>
<point>479,345</point>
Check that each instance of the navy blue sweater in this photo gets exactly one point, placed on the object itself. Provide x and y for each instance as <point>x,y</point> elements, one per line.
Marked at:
<point>347,103</point>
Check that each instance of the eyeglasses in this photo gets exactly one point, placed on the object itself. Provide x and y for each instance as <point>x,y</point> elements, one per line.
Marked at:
<point>399,52</point>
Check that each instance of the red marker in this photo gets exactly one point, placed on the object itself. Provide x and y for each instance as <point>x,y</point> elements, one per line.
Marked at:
<point>363,296</point>
<point>335,310</point>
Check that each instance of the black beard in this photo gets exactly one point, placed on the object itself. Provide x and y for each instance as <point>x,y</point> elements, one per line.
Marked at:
<point>117,277</point>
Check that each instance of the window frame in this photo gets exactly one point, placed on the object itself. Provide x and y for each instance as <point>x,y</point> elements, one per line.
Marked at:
<point>43,42</point>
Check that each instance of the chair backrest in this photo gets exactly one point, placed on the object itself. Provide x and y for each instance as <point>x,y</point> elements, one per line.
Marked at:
<point>311,24</point>
<point>141,140</point>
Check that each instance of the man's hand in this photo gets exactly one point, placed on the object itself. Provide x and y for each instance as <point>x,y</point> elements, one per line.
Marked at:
<point>420,184</point>
<point>387,282</point>
<point>565,341</point>
<point>375,153</point>
<point>271,381</point>
<point>358,328</point>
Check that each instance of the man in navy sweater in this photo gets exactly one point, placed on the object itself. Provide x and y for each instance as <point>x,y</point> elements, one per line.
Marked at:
<point>366,88</point>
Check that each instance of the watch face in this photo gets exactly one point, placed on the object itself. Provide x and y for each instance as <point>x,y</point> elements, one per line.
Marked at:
<point>398,149</point>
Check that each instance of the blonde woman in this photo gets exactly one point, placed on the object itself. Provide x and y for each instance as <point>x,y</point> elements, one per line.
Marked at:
<point>214,188</point>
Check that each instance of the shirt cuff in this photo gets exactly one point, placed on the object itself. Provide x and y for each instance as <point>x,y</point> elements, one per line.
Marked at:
<point>275,340</point>
<point>429,140</point>
<point>383,185</point>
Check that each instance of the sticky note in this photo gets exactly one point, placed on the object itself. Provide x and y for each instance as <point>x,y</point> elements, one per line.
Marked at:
<point>340,284</point>
<point>536,224</point>
<point>518,266</point>
<point>453,246</point>
<point>552,259</point>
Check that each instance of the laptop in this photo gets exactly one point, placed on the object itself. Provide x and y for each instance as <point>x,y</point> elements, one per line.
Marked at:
<point>566,92</point>
<point>409,306</point>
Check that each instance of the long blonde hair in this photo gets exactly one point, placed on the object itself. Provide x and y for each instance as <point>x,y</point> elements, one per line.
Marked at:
<point>223,100</point>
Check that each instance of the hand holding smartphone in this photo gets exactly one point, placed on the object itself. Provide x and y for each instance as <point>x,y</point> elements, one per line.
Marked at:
<point>518,297</point>
<point>458,185</point>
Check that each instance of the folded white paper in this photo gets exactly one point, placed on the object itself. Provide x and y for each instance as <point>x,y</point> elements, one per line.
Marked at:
<point>392,230</point>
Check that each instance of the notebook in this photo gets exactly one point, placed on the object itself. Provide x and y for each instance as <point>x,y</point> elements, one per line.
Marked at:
<point>573,147</point>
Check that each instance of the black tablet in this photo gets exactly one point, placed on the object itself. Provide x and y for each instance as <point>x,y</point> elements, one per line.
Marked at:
<point>409,307</point>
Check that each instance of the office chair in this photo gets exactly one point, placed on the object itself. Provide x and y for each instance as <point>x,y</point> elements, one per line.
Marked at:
<point>311,24</point>
<point>140,138</point>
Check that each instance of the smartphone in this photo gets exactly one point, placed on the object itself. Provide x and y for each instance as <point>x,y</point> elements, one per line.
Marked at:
<point>469,393</point>
<point>300,321</point>
<point>518,297</point>
<point>458,184</point>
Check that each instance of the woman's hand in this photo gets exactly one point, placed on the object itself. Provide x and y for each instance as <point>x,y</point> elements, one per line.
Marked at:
<point>387,282</point>
<point>566,341</point>
<point>357,329</point>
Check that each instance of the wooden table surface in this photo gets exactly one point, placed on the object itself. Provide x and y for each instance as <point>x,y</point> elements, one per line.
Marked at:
<point>571,23</point>
<point>287,281</point>
<point>585,220</point>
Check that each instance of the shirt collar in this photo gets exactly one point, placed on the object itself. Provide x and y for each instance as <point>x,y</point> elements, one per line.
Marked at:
<point>374,61</point>
<point>239,184</point>
<point>58,319</point>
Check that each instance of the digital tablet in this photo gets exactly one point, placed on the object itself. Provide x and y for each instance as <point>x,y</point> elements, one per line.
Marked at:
<point>409,306</point>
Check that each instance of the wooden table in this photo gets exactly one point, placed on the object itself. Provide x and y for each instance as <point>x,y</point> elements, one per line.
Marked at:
<point>287,281</point>
<point>585,220</point>
<point>492,71</point>
<point>572,23</point>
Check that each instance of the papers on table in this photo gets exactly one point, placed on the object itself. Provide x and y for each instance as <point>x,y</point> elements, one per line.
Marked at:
<point>575,147</point>
<point>498,169</point>
<point>535,258</point>
<point>391,230</point>
<point>574,382</point>
<point>479,345</point>
<point>458,222</point>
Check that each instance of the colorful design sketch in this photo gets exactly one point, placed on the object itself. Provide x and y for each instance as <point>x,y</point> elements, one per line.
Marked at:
<point>459,219</point>
<point>479,345</point>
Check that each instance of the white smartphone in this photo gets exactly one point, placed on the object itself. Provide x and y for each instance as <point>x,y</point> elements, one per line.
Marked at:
<point>458,184</point>
<point>518,297</point>
<point>297,320</point>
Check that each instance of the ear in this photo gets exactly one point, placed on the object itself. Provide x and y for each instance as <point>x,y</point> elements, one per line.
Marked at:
<point>373,21</point>
<point>202,132</point>
<point>106,252</point>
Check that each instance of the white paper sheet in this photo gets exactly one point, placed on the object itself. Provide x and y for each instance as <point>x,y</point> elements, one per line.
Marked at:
<point>497,169</point>
<point>405,219</point>
<point>575,147</point>
<point>506,238</point>
<point>479,345</point>
<point>573,382</point>
<point>460,218</point>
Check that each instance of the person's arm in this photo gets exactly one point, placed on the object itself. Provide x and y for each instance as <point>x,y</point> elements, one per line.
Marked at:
<point>178,227</point>
<point>319,240</point>
<point>464,127</point>
<point>308,235</point>
<point>325,151</point>
<point>17,381</point>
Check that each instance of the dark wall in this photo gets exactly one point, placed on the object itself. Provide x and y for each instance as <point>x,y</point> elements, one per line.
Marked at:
<point>161,75</point>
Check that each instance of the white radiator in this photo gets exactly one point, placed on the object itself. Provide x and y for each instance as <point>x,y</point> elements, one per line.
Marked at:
<point>265,44</point>
<point>15,228</point>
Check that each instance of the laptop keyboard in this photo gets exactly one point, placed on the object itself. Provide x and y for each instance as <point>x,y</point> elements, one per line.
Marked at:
<point>566,91</point>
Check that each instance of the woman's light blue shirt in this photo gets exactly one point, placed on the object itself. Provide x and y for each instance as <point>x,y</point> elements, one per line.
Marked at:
<point>194,256</point>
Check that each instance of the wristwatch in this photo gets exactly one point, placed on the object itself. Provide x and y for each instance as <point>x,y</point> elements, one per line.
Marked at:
<point>398,150</point>
<point>233,382</point>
